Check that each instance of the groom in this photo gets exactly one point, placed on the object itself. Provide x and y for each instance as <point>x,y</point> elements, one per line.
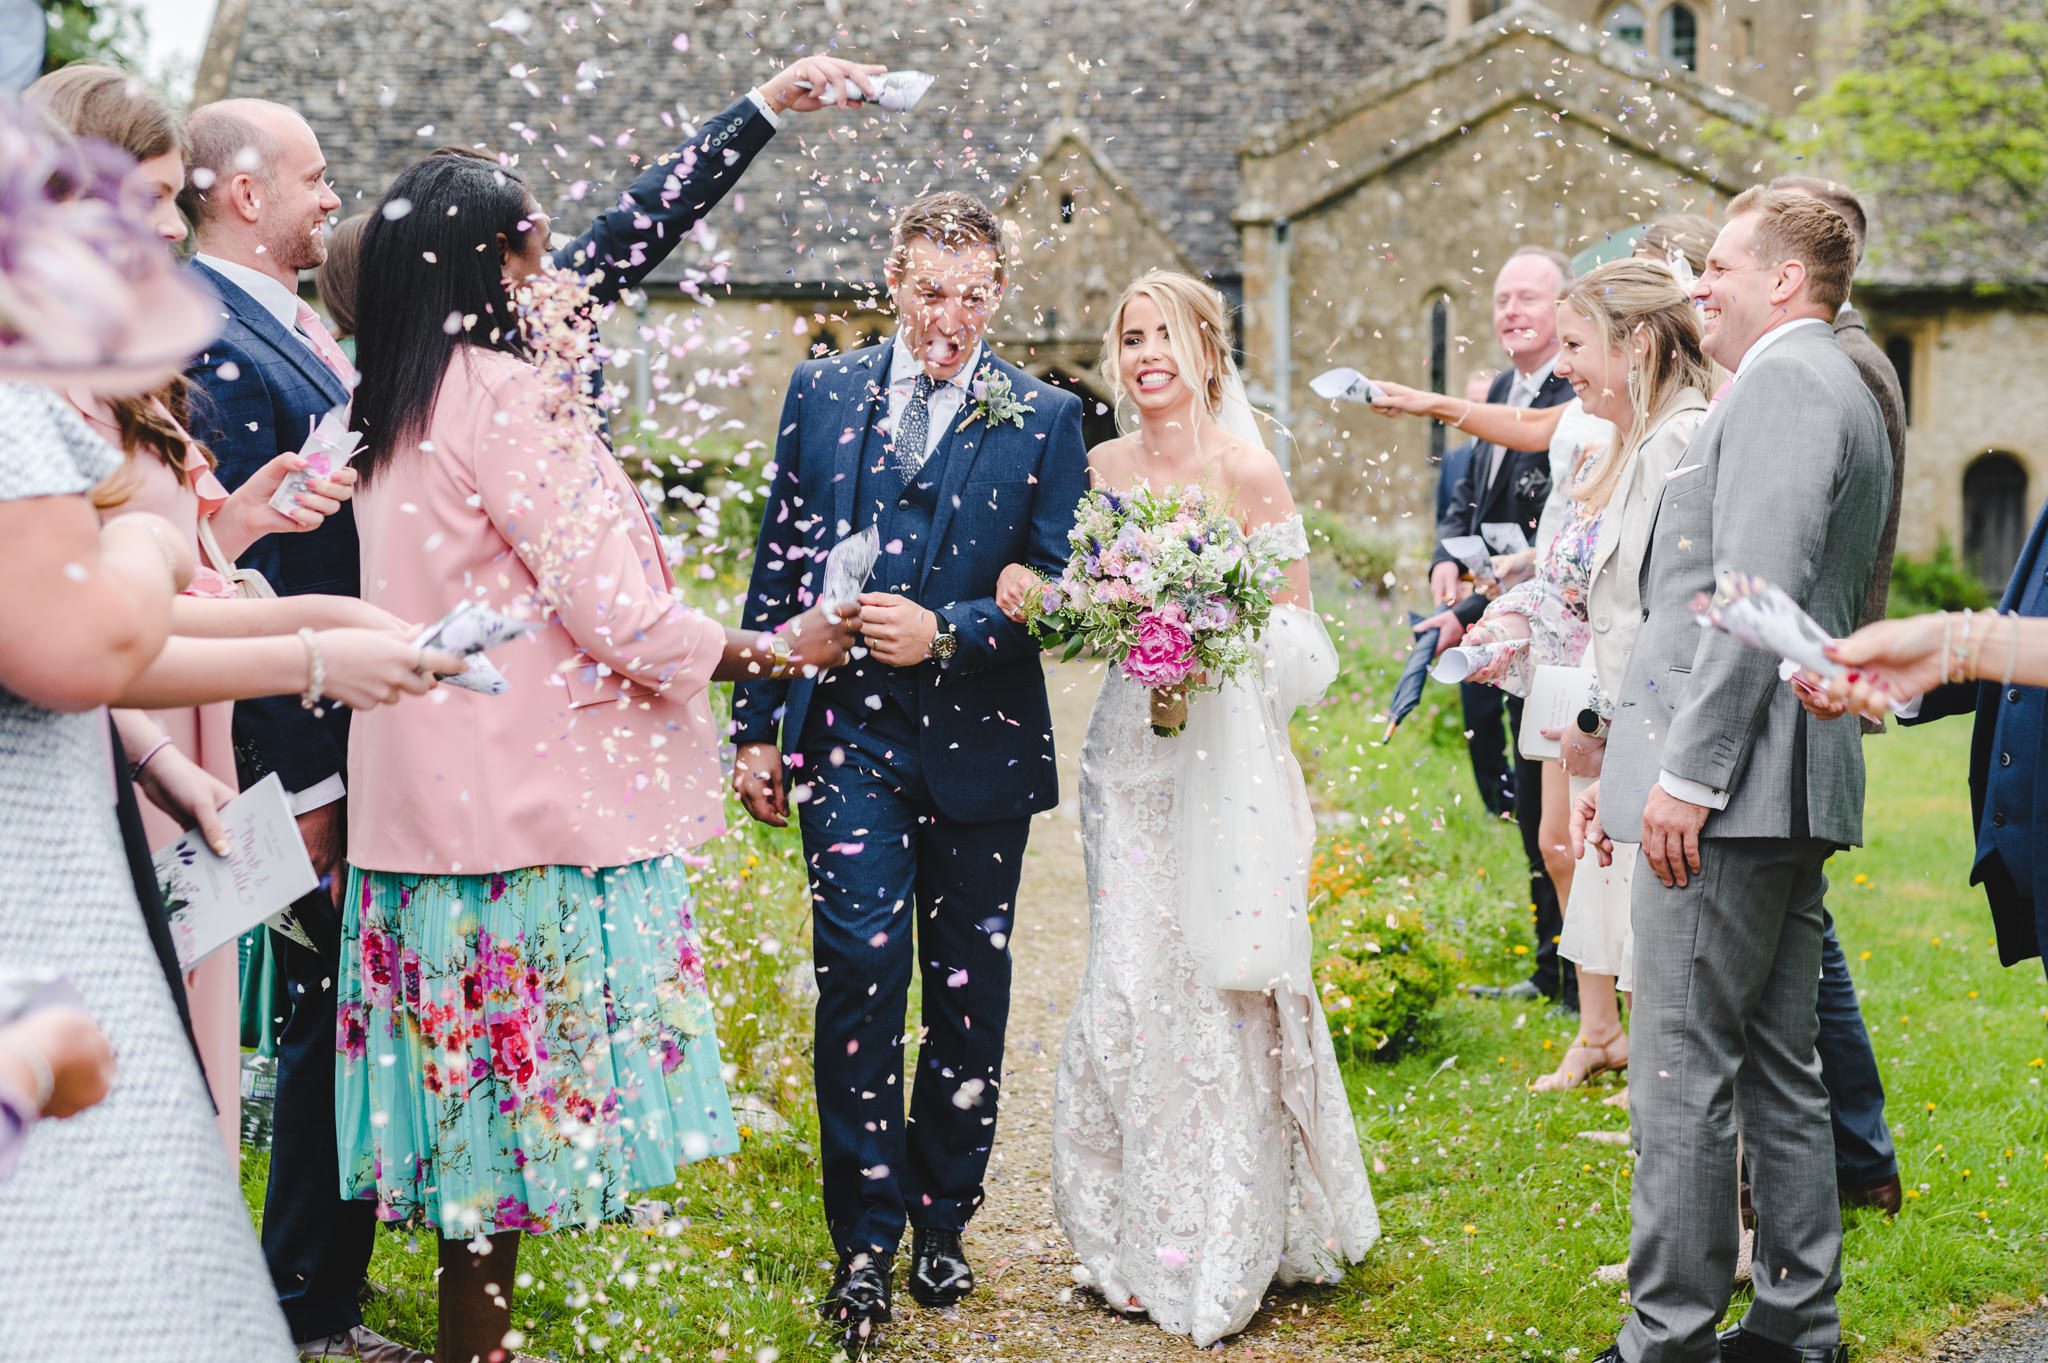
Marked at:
<point>919,764</point>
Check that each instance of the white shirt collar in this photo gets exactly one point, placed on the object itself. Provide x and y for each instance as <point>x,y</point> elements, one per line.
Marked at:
<point>904,366</point>
<point>1772,337</point>
<point>1532,384</point>
<point>274,297</point>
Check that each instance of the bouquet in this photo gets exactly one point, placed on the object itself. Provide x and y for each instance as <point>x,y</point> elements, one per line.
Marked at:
<point>1164,585</point>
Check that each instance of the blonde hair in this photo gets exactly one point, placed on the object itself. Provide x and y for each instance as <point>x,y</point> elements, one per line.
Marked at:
<point>1624,300</point>
<point>1794,225</point>
<point>1197,335</point>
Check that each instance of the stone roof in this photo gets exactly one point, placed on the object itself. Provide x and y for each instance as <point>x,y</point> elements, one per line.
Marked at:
<point>1167,90</point>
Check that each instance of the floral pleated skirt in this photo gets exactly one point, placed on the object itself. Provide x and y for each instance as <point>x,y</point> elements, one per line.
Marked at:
<point>522,1051</point>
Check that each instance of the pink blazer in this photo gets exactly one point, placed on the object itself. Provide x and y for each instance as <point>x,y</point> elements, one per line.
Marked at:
<point>603,751</point>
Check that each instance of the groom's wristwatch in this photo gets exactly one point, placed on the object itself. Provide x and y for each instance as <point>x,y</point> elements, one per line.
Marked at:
<point>1592,723</point>
<point>944,643</point>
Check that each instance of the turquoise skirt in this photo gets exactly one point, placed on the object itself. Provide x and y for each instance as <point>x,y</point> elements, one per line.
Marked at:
<point>522,1051</point>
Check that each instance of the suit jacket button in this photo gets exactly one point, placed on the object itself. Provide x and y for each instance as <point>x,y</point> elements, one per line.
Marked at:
<point>2005,759</point>
<point>1602,623</point>
<point>2012,697</point>
<point>903,503</point>
<point>1998,820</point>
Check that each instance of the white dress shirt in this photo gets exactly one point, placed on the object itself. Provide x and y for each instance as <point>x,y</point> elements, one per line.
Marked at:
<point>946,401</point>
<point>1521,393</point>
<point>1695,792</point>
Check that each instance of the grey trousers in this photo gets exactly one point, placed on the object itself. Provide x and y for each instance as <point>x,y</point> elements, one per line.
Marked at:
<point>1722,1040</point>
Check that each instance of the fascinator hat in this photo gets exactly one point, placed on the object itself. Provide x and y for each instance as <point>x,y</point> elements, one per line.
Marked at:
<point>90,298</point>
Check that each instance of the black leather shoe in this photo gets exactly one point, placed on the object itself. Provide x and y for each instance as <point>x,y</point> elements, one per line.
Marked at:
<point>859,1301</point>
<point>1740,1346</point>
<point>1516,992</point>
<point>939,1274</point>
<point>1888,1197</point>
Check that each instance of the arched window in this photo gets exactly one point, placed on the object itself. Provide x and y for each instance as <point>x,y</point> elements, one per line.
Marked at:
<point>1066,208</point>
<point>1626,25</point>
<point>1899,350</point>
<point>1678,37</point>
<point>1439,365</point>
<point>1994,516</point>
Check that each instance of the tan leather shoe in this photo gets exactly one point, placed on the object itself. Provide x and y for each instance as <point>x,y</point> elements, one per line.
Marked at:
<point>363,1344</point>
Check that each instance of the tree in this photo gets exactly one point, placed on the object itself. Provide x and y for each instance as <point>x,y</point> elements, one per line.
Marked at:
<point>95,31</point>
<point>1943,118</point>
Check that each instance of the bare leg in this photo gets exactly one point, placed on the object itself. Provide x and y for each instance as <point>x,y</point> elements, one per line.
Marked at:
<point>1554,832</point>
<point>476,1299</point>
<point>1602,1044</point>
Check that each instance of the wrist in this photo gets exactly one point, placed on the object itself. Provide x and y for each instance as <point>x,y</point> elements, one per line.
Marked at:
<point>29,1074</point>
<point>316,673</point>
<point>136,768</point>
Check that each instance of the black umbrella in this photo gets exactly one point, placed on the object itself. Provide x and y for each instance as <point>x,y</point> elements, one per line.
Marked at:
<point>1408,689</point>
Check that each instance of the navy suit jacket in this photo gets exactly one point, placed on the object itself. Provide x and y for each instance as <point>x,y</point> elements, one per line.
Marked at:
<point>1457,460</point>
<point>257,392</point>
<point>1517,494</point>
<point>1007,496</point>
<point>2009,774</point>
<point>259,388</point>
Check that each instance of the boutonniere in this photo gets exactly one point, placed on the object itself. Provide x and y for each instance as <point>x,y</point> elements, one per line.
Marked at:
<point>994,400</point>
<point>1533,484</point>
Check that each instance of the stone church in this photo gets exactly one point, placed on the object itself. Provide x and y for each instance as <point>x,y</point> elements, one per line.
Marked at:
<point>1351,176</point>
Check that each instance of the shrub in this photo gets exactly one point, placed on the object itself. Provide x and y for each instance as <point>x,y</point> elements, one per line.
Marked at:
<point>1382,980</point>
<point>1368,561</point>
<point>1942,583</point>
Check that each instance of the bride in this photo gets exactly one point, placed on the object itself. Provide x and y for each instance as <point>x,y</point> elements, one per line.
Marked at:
<point>1203,1146</point>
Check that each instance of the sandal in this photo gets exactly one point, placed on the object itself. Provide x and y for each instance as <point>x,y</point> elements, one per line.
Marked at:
<point>1599,1060</point>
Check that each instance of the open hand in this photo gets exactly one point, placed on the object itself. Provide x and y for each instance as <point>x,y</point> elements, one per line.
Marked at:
<point>1812,690</point>
<point>898,630</point>
<point>1671,836</point>
<point>1013,589</point>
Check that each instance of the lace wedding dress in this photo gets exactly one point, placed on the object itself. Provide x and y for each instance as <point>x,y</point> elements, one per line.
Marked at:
<point>1203,1147</point>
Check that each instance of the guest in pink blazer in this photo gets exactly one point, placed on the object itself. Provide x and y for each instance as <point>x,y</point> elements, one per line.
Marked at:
<point>525,1034</point>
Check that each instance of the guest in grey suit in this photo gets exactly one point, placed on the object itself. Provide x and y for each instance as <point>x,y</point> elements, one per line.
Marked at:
<point>1738,800</point>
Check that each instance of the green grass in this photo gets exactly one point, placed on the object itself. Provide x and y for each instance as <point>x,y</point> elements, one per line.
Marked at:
<point>1496,1213</point>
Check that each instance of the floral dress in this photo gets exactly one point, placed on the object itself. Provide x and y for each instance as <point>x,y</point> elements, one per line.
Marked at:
<point>1553,602</point>
<point>522,1050</point>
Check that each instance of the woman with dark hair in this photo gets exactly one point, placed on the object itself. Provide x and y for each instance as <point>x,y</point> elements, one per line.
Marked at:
<point>335,279</point>
<point>525,1033</point>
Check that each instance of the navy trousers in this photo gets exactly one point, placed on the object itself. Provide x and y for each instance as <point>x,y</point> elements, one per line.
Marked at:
<point>1554,977</point>
<point>317,1244</point>
<point>897,885</point>
<point>1864,1156</point>
<point>1484,712</point>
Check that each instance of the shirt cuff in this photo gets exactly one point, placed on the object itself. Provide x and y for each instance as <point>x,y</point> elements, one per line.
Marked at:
<point>318,795</point>
<point>1910,709</point>
<point>761,103</point>
<point>1692,792</point>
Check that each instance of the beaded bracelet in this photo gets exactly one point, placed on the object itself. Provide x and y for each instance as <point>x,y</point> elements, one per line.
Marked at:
<point>316,674</point>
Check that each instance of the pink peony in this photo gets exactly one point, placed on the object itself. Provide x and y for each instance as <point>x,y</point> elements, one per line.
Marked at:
<point>511,1051</point>
<point>1164,654</point>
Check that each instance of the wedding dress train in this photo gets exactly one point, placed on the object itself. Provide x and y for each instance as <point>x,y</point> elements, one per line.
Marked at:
<point>1203,1146</point>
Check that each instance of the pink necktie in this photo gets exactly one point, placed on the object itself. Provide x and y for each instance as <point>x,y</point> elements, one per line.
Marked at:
<point>1722,391</point>
<point>324,345</point>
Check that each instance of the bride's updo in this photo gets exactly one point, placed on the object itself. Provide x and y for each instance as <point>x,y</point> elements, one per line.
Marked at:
<point>1197,334</point>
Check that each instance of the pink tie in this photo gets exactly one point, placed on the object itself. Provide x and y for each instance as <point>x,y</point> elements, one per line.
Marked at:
<point>324,345</point>
<point>1722,391</point>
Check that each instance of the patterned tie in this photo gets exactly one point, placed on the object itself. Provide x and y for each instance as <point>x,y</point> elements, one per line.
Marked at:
<point>913,431</point>
<point>324,345</point>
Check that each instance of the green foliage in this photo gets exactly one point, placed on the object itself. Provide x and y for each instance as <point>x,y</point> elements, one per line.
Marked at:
<point>1942,583</point>
<point>1369,562</point>
<point>1381,980</point>
<point>93,31</point>
<point>1946,98</point>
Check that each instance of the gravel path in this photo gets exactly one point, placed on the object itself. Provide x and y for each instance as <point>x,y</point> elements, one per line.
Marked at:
<point>1025,1306</point>
<point>2016,1339</point>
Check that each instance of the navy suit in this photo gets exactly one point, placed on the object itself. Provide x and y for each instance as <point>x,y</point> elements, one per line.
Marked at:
<point>922,780</point>
<point>258,390</point>
<point>1515,494</point>
<point>2008,766</point>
